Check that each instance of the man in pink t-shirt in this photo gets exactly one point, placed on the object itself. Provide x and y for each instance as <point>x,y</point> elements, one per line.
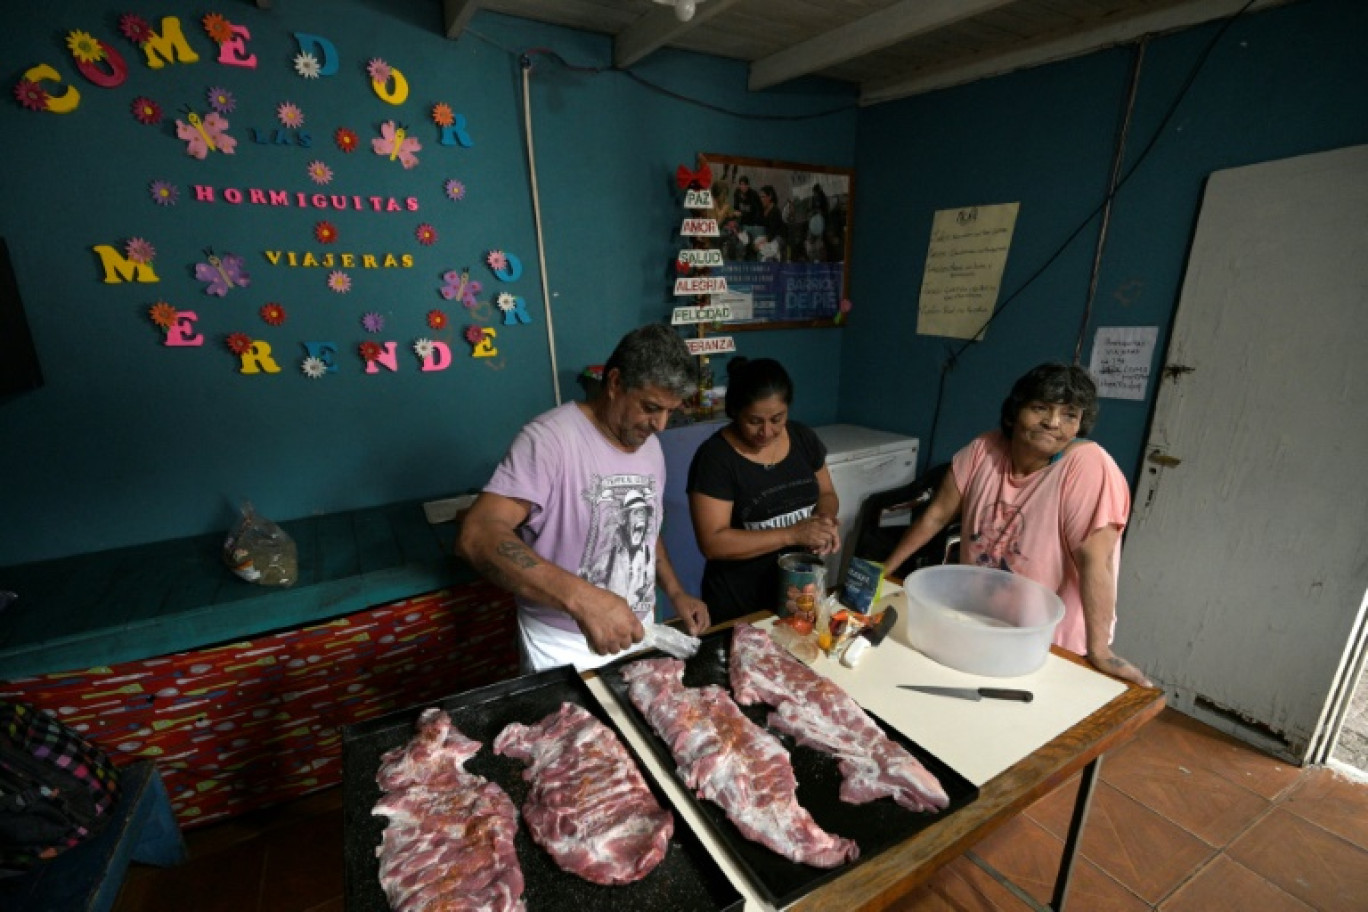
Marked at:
<point>570,522</point>
<point>1037,500</point>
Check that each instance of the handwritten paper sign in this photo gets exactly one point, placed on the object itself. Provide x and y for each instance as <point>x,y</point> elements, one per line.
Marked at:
<point>964,263</point>
<point>1121,357</point>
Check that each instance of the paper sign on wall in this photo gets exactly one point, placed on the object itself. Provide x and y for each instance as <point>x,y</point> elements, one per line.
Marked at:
<point>710,345</point>
<point>1121,357</point>
<point>964,263</point>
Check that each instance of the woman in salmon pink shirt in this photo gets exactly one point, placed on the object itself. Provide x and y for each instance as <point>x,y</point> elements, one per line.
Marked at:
<point>1036,498</point>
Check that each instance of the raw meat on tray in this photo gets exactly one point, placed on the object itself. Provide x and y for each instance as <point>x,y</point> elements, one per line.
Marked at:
<point>589,806</point>
<point>729,760</point>
<point>448,843</point>
<point>819,714</point>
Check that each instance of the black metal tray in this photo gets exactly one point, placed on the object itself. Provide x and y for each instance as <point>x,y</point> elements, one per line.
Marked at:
<point>687,878</point>
<point>875,827</point>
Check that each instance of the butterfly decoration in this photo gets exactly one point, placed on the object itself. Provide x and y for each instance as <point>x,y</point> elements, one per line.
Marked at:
<point>222,273</point>
<point>698,180</point>
<point>202,136</point>
<point>395,142</point>
<point>460,285</point>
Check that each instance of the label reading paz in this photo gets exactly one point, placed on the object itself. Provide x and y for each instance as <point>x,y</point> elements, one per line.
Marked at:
<point>698,227</point>
<point>697,199</point>
<point>701,258</point>
<point>700,285</point>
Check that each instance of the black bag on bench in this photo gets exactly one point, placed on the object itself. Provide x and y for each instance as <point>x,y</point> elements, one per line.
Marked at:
<point>56,788</point>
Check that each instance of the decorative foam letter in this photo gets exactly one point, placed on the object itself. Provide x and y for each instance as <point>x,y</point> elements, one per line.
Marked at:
<point>456,133</point>
<point>57,104</point>
<point>231,51</point>
<point>118,268</point>
<point>118,69</point>
<point>517,313</point>
<point>399,94</point>
<point>323,351</point>
<point>321,48</point>
<point>258,358</point>
<point>485,348</point>
<point>512,271</point>
<point>182,332</point>
<point>168,45</point>
<point>440,359</point>
<point>386,357</point>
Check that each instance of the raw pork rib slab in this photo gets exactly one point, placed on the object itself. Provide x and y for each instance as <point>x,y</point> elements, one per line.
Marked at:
<point>448,843</point>
<point>729,760</point>
<point>819,714</point>
<point>589,806</point>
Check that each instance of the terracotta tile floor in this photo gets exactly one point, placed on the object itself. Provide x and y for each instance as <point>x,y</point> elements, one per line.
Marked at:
<point>1184,819</point>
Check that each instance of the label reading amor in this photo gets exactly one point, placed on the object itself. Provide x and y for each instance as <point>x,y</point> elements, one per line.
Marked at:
<point>698,227</point>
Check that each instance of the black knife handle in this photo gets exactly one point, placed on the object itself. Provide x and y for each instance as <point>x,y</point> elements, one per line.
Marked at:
<point>1006,693</point>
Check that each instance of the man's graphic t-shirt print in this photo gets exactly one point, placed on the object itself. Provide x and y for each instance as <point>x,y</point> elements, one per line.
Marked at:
<point>619,552</point>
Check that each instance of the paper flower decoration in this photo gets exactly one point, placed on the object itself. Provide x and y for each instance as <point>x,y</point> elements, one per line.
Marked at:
<point>395,142</point>
<point>31,95</point>
<point>437,319</point>
<point>290,115</point>
<point>455,190</point>
<point>307,65</point>
<point>369,351</point>
<point>217,28</point>
<point>272,313</point>
<point>459,285</point>
<point>506,301</point>
<point>313,367</point>
<point>135,28</point>
<point>442,115</point>
<point>205,136</point>
<point>84,47</point>
<point>339,281</point>
<point>474,334</point>
<point>139,250</point>
<point>843,311</point>
<point>497,260</point>
<point>426,234</point>
<point>325,232</point>
<point>346,139</point>
<point>163,314</point>
<point>320,173</point>
<point>146,111</point>
<point>222,100</point>
<point>378,69</point>
<point>373,322</point>
<point>164,193</point>
<point>423,348</point>
<point>239,343</point>
<point>220,273</point>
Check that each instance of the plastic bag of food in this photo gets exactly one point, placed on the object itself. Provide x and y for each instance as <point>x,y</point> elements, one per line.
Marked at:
<point>261,552</point>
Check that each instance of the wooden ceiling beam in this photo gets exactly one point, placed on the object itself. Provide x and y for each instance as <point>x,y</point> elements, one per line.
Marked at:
<point>456,15</point>
<point>658,28</point>
<point>874,32</point>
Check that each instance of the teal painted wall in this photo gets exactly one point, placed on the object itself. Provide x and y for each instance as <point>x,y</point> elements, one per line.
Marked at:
<point>1289,81</point>
<point>131,441</point>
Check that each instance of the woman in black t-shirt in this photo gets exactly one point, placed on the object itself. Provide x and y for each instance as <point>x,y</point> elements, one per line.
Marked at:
<point>757,488</point>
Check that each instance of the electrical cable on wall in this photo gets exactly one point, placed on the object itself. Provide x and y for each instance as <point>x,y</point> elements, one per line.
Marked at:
<point>526,64</point>
<point>1103,206</point>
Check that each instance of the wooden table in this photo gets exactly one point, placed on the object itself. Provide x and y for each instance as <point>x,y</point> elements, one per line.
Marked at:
<point>879,882</point>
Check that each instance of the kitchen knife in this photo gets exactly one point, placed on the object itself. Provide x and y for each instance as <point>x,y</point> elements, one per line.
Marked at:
<point>867,638</point>
<point>973,693</point>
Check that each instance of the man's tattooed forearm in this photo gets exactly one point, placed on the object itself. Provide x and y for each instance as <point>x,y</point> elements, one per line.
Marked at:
<point>517,554</point>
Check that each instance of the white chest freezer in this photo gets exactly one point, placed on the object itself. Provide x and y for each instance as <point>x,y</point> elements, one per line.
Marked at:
<point>862,461</point>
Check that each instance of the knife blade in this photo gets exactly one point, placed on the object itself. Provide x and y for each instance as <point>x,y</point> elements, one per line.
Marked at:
<point>973,693</point>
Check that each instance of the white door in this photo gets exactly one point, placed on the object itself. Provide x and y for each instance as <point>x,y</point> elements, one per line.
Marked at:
<point>1245,567</point>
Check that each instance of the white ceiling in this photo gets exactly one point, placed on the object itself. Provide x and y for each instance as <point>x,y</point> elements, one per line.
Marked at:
<point>889,48</point>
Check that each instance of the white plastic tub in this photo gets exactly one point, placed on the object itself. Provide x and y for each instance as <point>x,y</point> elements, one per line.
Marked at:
<point>981,621</point>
